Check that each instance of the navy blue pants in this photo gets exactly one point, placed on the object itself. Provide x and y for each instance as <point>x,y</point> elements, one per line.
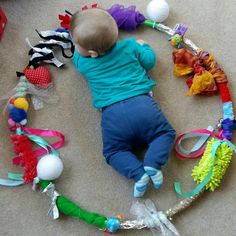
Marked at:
<point>134,121</point>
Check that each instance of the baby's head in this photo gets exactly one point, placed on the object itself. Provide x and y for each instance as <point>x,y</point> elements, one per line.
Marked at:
<point>94,32</point>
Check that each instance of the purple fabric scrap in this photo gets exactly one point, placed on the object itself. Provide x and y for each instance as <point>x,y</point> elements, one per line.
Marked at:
<point>126,18</point>
<point>228,126</point>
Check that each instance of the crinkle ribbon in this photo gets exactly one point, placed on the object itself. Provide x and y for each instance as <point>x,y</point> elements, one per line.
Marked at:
<point>155,220</point>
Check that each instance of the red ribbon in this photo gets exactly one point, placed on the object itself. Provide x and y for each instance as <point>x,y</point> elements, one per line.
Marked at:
<point>197,153</point>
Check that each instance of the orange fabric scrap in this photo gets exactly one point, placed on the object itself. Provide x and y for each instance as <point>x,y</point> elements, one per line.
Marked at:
<point>201,83</point>
<point>186,63</point>
<point>212,66</point>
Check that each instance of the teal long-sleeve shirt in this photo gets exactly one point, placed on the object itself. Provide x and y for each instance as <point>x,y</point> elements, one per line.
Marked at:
<point>119,74</point>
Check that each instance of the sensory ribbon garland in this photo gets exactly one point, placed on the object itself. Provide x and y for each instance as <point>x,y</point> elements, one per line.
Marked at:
<point>206,78</point>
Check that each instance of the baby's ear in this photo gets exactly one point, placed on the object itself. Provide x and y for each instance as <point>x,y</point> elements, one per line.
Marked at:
<point>93,53</point>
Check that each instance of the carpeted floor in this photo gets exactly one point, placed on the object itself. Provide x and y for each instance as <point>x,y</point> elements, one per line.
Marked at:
<point>87,179</point>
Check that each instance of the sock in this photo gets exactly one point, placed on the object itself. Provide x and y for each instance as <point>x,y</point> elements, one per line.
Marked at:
<point>155,175</point>
<point>141,186</point>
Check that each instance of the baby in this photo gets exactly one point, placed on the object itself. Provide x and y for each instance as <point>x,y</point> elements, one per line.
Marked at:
<point>116,72</point>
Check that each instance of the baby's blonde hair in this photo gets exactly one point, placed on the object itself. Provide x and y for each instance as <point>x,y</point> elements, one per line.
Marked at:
<point>94,29</point>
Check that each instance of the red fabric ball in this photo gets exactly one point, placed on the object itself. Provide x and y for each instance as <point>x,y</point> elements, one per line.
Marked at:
<point>39,76</point>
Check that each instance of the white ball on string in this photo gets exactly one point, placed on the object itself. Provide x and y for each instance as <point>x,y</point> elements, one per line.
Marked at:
<point>158,10</point>
<point>49,167</point>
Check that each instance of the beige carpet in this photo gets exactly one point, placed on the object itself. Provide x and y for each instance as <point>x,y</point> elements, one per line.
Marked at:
<point>87,179</point>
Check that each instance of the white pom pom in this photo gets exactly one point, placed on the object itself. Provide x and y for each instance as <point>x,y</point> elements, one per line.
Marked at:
<point>158,10</point>
<point>23,122</point>
<point>49,167</point>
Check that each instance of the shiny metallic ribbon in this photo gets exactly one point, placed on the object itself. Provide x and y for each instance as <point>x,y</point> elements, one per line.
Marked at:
<point>167,30</point>
<point>35,182</point>
<point>53,194</point>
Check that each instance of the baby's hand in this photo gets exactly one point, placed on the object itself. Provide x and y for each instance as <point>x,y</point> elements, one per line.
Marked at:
<point>141,42</point>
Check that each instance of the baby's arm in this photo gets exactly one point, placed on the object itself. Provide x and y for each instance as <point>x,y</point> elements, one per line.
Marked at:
<point>146,55</point>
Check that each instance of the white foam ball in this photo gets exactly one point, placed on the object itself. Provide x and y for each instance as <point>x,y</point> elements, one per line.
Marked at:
<point>158,10</point>
<point>49,167</point>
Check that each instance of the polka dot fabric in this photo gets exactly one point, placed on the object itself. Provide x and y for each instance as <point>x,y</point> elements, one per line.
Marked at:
<point>39,76</point>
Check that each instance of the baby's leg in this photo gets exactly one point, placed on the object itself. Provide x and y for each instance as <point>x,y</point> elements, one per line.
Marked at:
<point>151,127</point>
<point>124,161</point>
<point>127,164</point>
<point>117,148</point>
<point>160,145</point>
<point>159,148</point>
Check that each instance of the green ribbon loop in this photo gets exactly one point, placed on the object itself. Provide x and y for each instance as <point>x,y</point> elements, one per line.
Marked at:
<point>14,176</point>
<point>201,186</point>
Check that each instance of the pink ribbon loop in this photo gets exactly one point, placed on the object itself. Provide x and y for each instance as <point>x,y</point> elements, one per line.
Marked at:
<point>43,133</point>
<point>197,153</point>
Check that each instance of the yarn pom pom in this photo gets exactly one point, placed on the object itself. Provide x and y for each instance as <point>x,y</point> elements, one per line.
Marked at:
<point>23,122</point>
<point>11,122</point>
<point>126,18</point>
<point>158,10</point>
<point>113,224</point>
<point>17,114</point>
<point>49,167</point>
<point>21,103</point>
<point>223,157</point>
<point>12,100</point>
<point>10,107</point>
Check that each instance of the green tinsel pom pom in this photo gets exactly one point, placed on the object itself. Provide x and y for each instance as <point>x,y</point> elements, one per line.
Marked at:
<point>223,157</point>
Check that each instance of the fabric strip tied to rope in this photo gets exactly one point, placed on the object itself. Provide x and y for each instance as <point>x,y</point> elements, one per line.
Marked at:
<point>205,181</point>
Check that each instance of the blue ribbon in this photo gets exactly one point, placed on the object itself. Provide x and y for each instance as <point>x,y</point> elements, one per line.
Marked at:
<point>13,180</point>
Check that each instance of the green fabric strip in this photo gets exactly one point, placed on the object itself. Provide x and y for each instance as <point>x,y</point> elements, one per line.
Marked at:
<point>67,207</point>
